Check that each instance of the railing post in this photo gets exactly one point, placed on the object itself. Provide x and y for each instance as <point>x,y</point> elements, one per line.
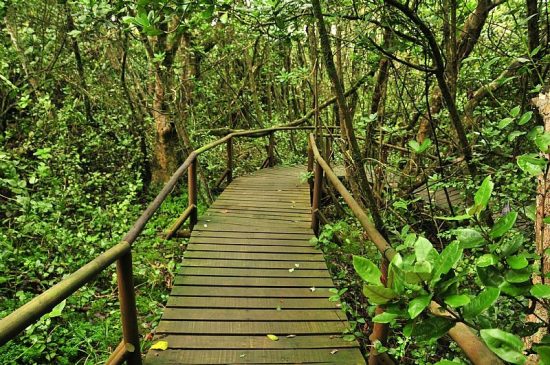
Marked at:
<point>192,192</point>
<point>328,147</point>
<point>316,204</point>
<point>128,311</point>
<point>271,149</point>
<point>310,170</point>
<point>230,160</point>
<point>380,330</point>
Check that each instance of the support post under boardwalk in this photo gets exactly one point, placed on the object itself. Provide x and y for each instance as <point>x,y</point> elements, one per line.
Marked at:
<point>128,311</point>
<point>316,205</point>
<point>192,192</point>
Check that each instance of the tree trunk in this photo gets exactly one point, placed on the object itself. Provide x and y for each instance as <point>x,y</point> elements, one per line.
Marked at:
<point>357,158</point>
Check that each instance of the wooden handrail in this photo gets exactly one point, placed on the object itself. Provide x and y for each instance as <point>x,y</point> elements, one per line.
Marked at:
<point>473,347</point>
<point>21,318</point>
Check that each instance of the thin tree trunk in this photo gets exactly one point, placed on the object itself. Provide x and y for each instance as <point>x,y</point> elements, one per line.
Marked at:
<point>79,67</point>
<point>341,100</point>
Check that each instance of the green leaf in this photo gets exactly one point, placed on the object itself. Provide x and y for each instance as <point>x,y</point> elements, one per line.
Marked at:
<point>541,291</point>
<point>486,260</point>
<point>531,164</point>
<point>515,111</point>
<point>378,294</point>
<point>518,276</point>
<point>515,134</point>
<point>483,194</point>
<point>419,148</point>
<point>385,317</point>
<point>543,141</point>
<point>505,122</point>
<point>57,310</point>
<point>457,300</point>
<point>367,270</point>
<point>517,262</point>
<point>430,329</point>
<point>422,248</point>
<point>469,238</point>
<point>447,362</point>
<point>455,218</point>
<point>505,345</point>
<point>446,260</point>
<point>525,118</point>
<point>482,302</point>
<point>417,305</point>
<point>503,225</point>
<point>544,354</point>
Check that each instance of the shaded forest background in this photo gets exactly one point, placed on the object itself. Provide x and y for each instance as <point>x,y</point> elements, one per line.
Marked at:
<point>100,101</point>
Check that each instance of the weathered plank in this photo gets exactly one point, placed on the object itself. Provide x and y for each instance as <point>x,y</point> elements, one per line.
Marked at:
<point>248,272</point>
<point>259,264</point>
<point>253,281</point>
<point>251,303</point>
<point>243,314</point>
<point>250,292</point>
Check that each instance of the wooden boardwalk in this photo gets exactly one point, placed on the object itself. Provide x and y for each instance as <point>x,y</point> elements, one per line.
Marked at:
<point>249,271</point>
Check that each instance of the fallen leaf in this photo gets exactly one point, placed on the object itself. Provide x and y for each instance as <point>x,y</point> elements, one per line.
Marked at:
<point>206,225</point>
<point>273,337</point>
<point>278,308</point>
<point>242,355</point>
<point>290,336</point>
<point>225,211</point>
<point>333,351</point>
<point>291,270</point>
<point>161,345</point>
<point>296,265</point>
<point>312,289</point>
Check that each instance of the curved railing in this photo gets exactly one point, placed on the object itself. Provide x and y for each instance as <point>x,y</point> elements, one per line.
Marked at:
<point>129,348</point>
<point>473,347</point>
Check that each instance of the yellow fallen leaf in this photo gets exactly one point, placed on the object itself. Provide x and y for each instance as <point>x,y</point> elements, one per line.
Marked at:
<point>273,337</point>
<point>161,345</point>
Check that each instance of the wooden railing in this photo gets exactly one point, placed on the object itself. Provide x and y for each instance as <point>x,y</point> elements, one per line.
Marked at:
<point>129,348</point>
<point>473,347</point>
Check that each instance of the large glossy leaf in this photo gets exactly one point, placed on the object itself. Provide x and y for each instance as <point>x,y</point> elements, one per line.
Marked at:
<point>531,163</point>
<point>469,238</point>
<point>541,291</point>
<point>378,294</point>
<point>367,270</point>
<point>517,262</point>
<point>431,328</point>
<point>505,345</point>
<point>486,260</point>
<point>417,305</point>
<point>482,302</point>
<point>483,194</point>
<point>446,260</point>
<point>422,249</point>
<point>385,317</point>
<point>503,225</point>
<point>457,300</point>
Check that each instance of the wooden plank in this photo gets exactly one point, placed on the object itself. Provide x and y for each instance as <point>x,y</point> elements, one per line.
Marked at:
<point>260,264</point>
<point>255,282</point>
<point>250,248</point>
<point>344,356</point>
<point>225,223</point>
<point>251,303</point>
<point>279,204</point>
<point>249,228</point>
<point>257,273</point>
<point>295,257</point>
<point>255,342</point>
<point>269,217</point>
<point>250,292</point>
<point>252,328</point>
<point>256,235</point>
<point>242,314</point>
<point>262,209</point>
<point>249,241</point>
